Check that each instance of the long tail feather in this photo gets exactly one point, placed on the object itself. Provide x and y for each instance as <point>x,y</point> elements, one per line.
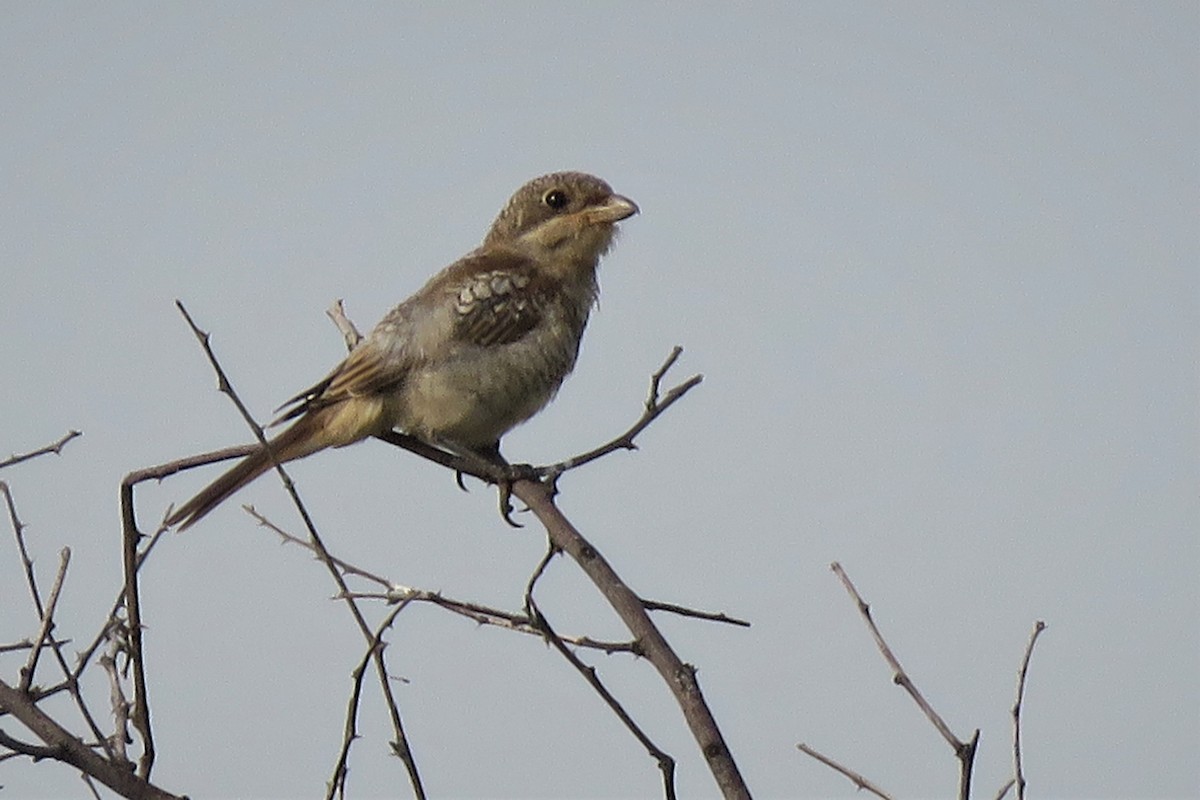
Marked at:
<point>296,442</point>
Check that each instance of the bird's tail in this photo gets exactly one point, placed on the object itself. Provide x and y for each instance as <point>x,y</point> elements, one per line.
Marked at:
<point>299,440</point>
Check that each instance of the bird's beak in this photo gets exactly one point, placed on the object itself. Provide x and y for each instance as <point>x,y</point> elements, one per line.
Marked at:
<point>614,209</point>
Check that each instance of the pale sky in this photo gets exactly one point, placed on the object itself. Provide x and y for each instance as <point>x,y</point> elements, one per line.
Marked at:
<point>937,263</point>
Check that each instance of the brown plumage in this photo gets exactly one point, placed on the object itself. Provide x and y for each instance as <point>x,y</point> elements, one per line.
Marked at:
<point>483,346</point>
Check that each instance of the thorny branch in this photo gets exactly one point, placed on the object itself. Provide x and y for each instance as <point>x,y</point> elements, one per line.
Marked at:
<point>482,614</point>
<point>537,491</point>
<point>666,764</point>
<point>337,784</point>
<point>103,759</point>
<point>70,684</point>
<point>55,448</point>
<point>400,744</point>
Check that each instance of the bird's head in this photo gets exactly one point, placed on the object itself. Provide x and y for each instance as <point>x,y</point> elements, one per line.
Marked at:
<point>571,213</point>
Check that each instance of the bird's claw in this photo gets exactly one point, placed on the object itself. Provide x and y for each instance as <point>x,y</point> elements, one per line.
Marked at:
<point>514,473</point>
<point>506,508</point>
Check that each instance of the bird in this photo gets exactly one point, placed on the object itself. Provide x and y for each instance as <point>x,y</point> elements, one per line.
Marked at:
<point>480,348</point>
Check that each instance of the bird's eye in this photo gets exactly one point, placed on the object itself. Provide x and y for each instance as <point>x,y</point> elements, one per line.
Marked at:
<point>556,199</point>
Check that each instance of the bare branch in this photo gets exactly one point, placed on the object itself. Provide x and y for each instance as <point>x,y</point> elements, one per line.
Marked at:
<point>538,496</point>
<point>55,448</point>
<point>655,405</point>
<point>857,779</point>
<point>965,751</point>
<point>1019,774</point>
<point>346,567</point>
<point>477,612</point>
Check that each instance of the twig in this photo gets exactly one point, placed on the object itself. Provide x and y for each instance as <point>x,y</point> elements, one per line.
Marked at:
<point>655,405</point>
<point>666,764</point>
<point>965,751</point>
<point>18,528</point>
<point>350,334</point>
<point>683,611</point>
<point>37,752</point>
<point>287,538</point>
<point>1019,774</point>
<point>55,448</point>
<point>856,778</point>
<point>27,672</point>
<point>26,644</point>
<point>85,656</point>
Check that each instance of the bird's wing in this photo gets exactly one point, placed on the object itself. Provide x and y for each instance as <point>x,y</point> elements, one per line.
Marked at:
<point>367,370</point>
<point>497,307</point>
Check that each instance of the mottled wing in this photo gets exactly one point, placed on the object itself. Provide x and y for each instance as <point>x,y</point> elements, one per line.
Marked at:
<point>496,307</point>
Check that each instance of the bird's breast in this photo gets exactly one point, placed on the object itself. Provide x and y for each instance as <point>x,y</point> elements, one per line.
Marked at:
<point>476,393</point>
